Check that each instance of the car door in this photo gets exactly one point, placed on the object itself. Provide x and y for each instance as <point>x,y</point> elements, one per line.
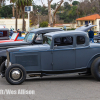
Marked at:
<point>83,53</point>
<point>63,54</point>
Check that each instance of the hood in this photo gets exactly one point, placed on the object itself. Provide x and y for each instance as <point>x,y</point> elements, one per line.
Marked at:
<point>30,48</point>
<point>15,43</point>
<point>85,28</point>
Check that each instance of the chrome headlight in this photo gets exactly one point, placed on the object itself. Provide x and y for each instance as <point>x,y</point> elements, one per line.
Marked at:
<point>7,63</point>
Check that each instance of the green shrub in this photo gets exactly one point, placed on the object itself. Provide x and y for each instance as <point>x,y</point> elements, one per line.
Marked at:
<point>71,29</point>
<point>44,24</point>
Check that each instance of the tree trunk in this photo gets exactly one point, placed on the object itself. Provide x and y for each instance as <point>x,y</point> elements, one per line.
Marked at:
<point>16,17</point>
<point>49,13</point>
<point>54,20</point>
<point>13,10</point>
<point>54,15</point>
<point>23,28</point>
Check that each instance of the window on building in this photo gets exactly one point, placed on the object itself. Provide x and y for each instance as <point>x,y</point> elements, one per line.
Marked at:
<point>92,23</point>
<point>80,40</point>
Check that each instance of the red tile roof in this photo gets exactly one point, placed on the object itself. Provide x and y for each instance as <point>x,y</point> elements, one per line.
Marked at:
<point>91,17</point>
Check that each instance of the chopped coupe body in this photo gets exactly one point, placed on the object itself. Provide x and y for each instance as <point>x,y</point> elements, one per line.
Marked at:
<point>62,52</point>
<point>32,38</point>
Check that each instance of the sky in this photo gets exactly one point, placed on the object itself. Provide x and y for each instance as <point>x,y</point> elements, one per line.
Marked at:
<point>38,2</point>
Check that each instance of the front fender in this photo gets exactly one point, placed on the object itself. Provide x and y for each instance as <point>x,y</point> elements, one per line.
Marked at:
<point>3,53</point>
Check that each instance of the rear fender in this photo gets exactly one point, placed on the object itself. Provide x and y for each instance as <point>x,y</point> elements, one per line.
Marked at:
<point>92,59</point>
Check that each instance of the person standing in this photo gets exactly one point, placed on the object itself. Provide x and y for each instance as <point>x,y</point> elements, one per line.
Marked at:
<point>11,32</point>
<point>91,35</point>
<point>18,31</point>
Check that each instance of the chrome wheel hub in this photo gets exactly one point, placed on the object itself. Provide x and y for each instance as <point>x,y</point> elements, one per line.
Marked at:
<point>16,74</point>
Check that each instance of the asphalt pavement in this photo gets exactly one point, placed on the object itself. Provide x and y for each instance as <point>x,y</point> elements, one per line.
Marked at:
<point>60,87</point>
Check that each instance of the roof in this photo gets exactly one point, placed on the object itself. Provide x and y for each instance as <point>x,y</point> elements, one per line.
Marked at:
<point>59,33</point>
<point>91,17</point>
<point>46,28</point>
<point>3,29</point>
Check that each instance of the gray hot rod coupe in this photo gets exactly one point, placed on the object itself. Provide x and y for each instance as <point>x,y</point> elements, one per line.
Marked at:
<point>62,52</point>
<point>32,38</point>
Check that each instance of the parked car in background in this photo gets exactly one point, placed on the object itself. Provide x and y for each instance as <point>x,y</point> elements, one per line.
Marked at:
<point>62,52</point>
<point>97,38</point>
<point>4,34</point>
<point>14,37</point>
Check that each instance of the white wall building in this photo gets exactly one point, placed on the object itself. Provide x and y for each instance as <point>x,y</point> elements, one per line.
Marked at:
<point>8,23</point>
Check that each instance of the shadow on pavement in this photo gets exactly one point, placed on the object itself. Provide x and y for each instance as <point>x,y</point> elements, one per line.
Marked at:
<point>62,78</point>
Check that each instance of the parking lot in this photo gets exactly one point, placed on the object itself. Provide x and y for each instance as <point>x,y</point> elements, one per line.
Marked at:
<point>61,87</point>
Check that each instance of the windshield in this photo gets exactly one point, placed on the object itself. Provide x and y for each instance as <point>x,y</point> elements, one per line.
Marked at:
<point>47,40</point>
<point>29,37</point>
<point>14,36</point>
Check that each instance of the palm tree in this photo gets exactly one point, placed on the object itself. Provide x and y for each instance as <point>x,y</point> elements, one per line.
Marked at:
<point>22,4</point>
<point>1,1</point>
<point>13,1</point>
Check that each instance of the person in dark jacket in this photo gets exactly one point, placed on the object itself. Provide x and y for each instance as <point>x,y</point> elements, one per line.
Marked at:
<point>11,32</point>
<point>18,31</point>
<point>91,35</point>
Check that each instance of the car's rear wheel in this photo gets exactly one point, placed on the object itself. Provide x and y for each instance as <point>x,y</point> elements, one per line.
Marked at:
<point>95,69</point>
<point>3,69</point>
<point>15,74</point>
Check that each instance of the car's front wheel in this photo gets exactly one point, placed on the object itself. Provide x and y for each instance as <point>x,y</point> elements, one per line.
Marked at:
<point>15,74</point>
<point>95,69</point>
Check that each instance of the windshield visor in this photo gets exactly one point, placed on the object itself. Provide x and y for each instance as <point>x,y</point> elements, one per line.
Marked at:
<point>14,36</point>
<point>29,37</point>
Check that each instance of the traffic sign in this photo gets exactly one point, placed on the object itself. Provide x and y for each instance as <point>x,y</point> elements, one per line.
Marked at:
<point>28,8</point>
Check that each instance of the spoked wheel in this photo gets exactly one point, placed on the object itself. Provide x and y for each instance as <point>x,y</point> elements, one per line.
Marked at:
<point>95,69</point>
<point>15,74</point>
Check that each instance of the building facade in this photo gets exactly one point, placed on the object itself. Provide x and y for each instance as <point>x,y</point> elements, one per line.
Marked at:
<point>10,23</point>
<point>93,19</point>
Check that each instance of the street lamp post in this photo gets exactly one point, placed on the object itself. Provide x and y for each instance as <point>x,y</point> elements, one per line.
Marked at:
<point>28,9</point>
<point>28,21</point>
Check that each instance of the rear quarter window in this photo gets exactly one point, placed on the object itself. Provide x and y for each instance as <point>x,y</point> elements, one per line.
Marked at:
<point>80,40</point>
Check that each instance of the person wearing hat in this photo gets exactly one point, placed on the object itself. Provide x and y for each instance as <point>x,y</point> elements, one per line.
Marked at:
<point>18,31</point>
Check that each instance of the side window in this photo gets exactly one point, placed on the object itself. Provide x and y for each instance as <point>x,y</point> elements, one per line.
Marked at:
<point>39,37</point>
<point>63,41</point>
<point>80,40</point>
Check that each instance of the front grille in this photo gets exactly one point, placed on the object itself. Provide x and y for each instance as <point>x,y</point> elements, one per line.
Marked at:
<point>27,60</point>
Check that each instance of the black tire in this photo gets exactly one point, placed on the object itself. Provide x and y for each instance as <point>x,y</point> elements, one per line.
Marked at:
<point>10,70</point>
<point>95,69</point>
<point>3,69</point>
